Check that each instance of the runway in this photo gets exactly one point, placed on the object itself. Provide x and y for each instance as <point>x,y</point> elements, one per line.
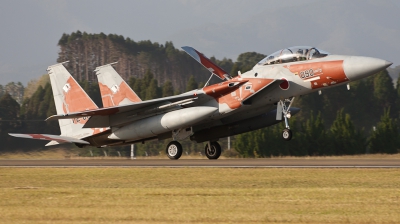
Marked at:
<point>233,163</point>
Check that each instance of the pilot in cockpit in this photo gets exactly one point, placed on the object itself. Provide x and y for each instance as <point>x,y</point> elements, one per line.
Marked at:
<point>301,55</point>
<point>270,60</point>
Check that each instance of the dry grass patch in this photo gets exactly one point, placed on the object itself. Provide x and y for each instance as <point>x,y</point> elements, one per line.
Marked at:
<point>199,195</point>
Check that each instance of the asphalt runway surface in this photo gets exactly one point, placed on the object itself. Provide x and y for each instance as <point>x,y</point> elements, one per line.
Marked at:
<point>234,163</point>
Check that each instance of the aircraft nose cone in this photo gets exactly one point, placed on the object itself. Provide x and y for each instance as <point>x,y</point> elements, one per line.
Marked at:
<point>360,67</point>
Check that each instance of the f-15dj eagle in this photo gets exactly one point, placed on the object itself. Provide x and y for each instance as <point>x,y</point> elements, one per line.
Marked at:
<point>255,99</point>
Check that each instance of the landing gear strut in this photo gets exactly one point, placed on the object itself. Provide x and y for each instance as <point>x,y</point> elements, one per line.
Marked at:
<point>284,109</point>
<point>174,150</point>
<point>212,150</point>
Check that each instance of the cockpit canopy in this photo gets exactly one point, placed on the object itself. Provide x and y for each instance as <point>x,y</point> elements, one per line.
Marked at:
<point>298,53</point>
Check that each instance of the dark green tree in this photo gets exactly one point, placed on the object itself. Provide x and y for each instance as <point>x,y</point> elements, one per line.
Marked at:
<point>9,122</point>
<point>31,105</point>
<point>167,89</point>
<point>43,107</point>
<point>244,144</point>
<point>152,91</point>
<point>131,81</point>
<point>267,144</point>
<point>191,84</point>
<point>386,137</point>
<point>245,62</point>
<point>315,138</point>
<point>9,109</point>
<point>148,86</point>
<point>384,91</point>
<point>346,139</point>
<point>139,88</point>
<point>170,49</point>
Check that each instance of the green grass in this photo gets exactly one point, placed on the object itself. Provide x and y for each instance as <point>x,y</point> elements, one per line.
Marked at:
<point>199,195</point>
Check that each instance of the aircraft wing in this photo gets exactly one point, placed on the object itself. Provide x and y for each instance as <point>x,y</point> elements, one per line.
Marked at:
<point>56,138</point>
<point>207,63</point>
<point>149,104</point>
<point>263,93</point>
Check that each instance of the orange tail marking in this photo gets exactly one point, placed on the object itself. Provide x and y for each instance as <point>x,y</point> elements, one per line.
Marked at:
<point>75,99</point>
<point>111,98</point>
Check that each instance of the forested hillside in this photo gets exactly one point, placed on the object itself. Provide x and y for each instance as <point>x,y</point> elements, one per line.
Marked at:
<point>87,51</point>
<point>364,119</point>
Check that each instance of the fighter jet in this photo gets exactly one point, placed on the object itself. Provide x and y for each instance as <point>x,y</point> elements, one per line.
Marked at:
<point>252,100</point>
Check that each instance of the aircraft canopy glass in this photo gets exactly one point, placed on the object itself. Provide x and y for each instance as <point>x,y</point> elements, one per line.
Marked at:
<point>298,53</point>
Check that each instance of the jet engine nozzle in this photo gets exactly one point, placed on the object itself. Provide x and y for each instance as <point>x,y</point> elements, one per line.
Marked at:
<point>356,67</point>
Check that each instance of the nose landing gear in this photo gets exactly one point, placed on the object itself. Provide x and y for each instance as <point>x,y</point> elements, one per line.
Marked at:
<point>287,134</point>
<point>283,109</point>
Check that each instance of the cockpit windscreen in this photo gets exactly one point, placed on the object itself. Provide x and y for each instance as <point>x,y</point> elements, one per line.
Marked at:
<point>298,53</point>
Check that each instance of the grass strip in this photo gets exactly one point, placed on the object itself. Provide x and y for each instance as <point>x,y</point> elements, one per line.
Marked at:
<point>199,195</point>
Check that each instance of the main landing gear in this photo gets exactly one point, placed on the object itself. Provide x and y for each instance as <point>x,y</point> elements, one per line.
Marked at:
<point>212,150</point>
<point>174,150</point>
<point>283,108</point>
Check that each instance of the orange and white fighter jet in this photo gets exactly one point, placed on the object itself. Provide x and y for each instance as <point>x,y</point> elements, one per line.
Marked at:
<point>255,99</point>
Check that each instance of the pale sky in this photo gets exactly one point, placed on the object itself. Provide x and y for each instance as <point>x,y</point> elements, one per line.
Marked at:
<point>31,29</point>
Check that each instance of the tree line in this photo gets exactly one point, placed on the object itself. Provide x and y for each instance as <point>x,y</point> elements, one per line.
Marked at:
<point>364,119</point>
<point>312,138</point>
<point>354,128</point>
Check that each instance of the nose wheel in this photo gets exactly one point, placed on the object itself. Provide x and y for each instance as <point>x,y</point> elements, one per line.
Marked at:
<point>212,150</point>
<point>287,134</point>
<point>174,150</point>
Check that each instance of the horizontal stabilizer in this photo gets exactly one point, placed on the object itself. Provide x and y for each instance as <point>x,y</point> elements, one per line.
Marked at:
<point>207,63</point>
<point>57,138</point>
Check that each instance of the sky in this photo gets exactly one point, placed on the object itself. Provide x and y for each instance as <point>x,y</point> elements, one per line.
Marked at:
<point>31,29</point>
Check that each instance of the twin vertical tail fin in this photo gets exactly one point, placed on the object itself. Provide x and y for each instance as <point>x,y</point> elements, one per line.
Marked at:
<point>113,89</point>
<point>69,97</point>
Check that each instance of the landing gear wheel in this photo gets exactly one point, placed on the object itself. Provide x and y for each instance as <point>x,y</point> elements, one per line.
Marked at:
<point>174,150</point>
<point>287,134</point>
<point>214,151</point>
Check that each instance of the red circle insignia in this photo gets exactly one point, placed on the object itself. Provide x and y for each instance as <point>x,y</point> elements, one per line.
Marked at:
<point>284,85</point>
